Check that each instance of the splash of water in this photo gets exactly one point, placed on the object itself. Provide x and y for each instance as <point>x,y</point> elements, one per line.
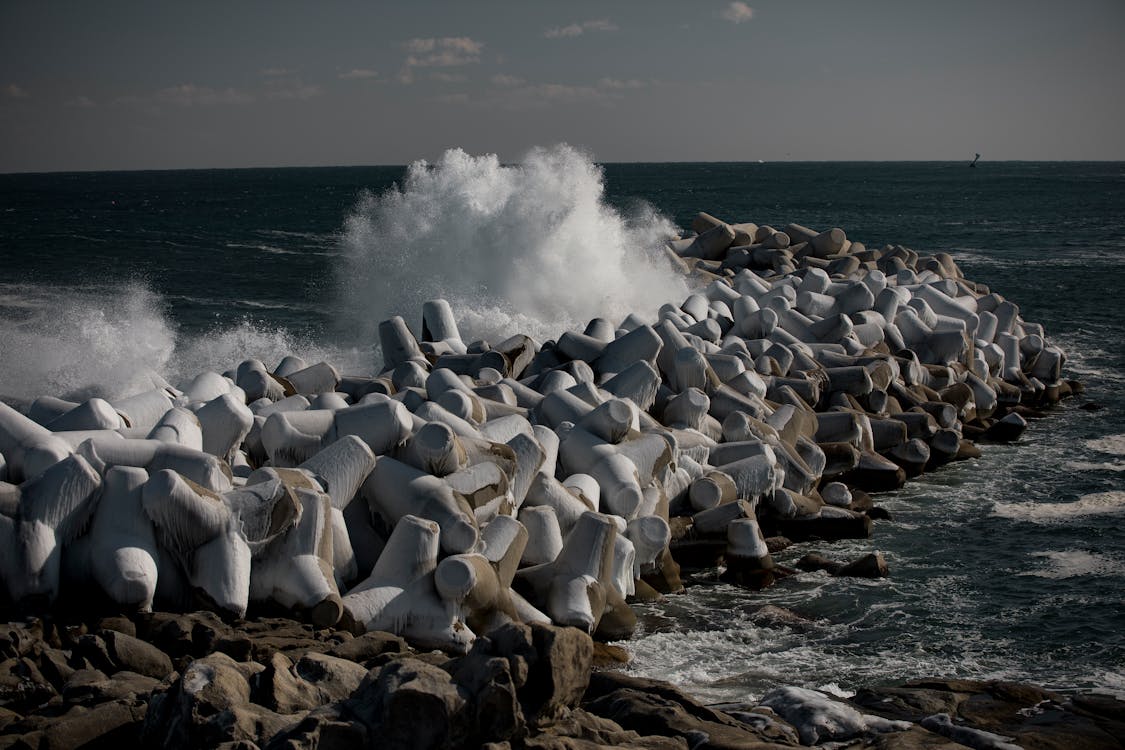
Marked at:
<point>79,343</point>
<point>530,248</point>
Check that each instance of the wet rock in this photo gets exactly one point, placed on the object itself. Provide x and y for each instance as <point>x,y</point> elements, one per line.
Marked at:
<point>819,718</point>
<point>871,565</point>
<point>651,707</point>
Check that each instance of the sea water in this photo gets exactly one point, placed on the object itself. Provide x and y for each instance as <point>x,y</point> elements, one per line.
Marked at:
<point>1010,566</point>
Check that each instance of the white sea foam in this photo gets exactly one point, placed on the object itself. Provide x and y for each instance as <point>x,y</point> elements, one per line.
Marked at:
<point>1088,466</point>
<point>1074,563</point>
<point>533,244</point>
<point>1098,503</point>
<point>1114,444</point>
<point>104,341</point>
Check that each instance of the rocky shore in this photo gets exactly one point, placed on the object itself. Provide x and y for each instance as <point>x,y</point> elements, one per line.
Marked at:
<point>498,505</point>
<point>164,680</point>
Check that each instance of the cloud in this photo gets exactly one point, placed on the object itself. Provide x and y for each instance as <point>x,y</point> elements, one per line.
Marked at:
<point>274,72</point>
<point>619,85</point>
<point>445,52</point>
<point>737,12</point>
<point>295,90</point>
<point>81,102</point>
<point>443,77</point>
<point>578,29</point>
<point>356,74</point>
<point>505,80</point>
<point>12,91</point>
<point>192,95</point>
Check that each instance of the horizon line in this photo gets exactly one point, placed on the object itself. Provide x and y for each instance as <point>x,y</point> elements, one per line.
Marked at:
<point>597,162</point>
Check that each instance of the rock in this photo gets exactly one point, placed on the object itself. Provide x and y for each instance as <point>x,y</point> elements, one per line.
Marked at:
<point>208,705</point>
<point>815,561</point>
<point>134,655</point>
<point>871,565</point>
<point>113,724</point>
<point>1031,716</point>
<point>653,707</point>
<point>410,704</point>
<point>122,686</point>
<point>607,655</point>
<point>560,673</point>
<point>22,685</point>
<point>367,646</point>
<point>819,718</point>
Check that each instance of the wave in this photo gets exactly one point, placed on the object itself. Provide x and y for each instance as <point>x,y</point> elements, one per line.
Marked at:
<point>78,343</point>
<point>1098,503</point>
<point>533,244</point>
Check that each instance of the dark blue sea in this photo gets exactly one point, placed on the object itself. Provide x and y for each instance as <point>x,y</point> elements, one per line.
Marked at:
<point>1009,566</point>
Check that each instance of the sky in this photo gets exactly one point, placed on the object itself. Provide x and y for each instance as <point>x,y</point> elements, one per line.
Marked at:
<point>159,85</point>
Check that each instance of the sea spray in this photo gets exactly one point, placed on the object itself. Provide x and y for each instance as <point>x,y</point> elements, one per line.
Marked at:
<point>533,247</point>
<point>106,341</point>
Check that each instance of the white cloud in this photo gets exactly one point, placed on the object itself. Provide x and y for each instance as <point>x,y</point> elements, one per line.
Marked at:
<point>192,95</point>
<point>445,52</point>
<point>578,29</point>
<point>81,102</point>
<point>356,74</point>
<point>737,12</point>
<point>443,77</point>
<point>619,85</point>
<point>505,80</point>
<point>13,91</point>
<point>295,90</point>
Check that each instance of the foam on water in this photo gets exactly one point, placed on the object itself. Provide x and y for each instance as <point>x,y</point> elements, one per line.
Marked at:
<point>1074,563</point>
<point>534,244</point>
<point>1114,444</point>
<point>1094,504</point>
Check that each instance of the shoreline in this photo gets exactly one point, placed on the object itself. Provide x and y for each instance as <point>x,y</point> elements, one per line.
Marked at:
<point>801,376</point>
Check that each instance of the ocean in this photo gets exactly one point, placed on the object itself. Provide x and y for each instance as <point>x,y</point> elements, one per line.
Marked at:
<point>1010,566</point>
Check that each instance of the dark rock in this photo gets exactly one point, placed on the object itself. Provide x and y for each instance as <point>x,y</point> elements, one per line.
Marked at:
<point>816,561</point>
<point>665,574</point>
<point>777,544</point>
<point>22,686</point>
<point>55,666</point>
<point>323,732</point>
<point>669,713</point>
<point>118,624</point>
<point>878,513</point>
<point>410,704</point>
<point>828,528</point>
<point>560,673</point>
<point>208,705</point>
<point>134,655</point>
<point>871,565</point>
<point>1032,716</point>
<point>606,655</point>
<point>109,725</point>
<point>7,717</point>
<point>586,731</point>
<point>123,685</point>
<point>772,616</point>
<point>494,708</point>
<point>367,646</point>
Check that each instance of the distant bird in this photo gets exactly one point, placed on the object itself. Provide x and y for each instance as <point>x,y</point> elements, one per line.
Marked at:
<point>973,163</point>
